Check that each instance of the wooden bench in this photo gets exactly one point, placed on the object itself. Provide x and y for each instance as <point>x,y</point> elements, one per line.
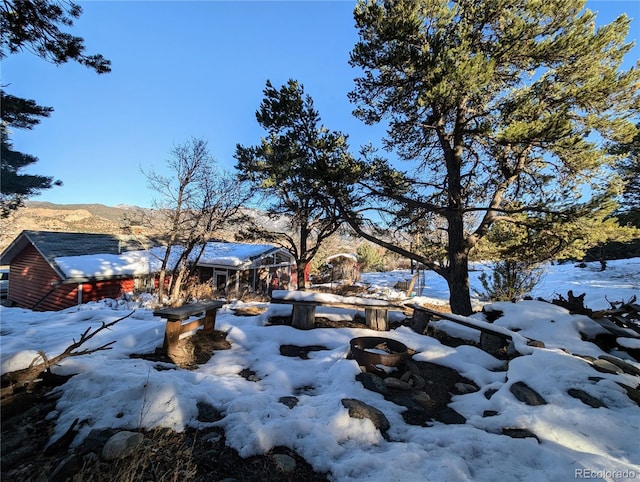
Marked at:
<point>304,311</point>
<point>175,317</point>
<point>492,339</point>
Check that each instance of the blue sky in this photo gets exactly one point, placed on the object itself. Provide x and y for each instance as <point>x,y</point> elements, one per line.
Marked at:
<point>189,69</point>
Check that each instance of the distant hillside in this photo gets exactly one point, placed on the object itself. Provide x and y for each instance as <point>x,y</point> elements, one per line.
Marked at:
<point>98,218</point>
<point>82,218</point>
<point>111,213</point>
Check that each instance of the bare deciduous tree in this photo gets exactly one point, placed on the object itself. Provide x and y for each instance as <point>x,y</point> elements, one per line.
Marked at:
<point>195,201</point>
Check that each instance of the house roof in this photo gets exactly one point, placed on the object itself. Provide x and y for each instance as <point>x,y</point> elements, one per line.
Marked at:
<point>53,245</point>
<point>234,254</point>
<point>77,257</point>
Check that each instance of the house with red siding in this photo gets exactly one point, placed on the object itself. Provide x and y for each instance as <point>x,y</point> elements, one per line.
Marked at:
<point>52,271</point>
<point>42,276</point>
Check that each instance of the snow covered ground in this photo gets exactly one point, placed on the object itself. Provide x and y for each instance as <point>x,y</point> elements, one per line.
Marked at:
<point>575,440</point>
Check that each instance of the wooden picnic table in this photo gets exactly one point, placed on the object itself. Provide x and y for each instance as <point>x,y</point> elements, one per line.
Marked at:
<point>175,317</point>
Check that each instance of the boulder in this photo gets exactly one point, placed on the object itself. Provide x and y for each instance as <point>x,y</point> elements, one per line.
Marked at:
<point>526,394</point>
<point>397,384</point>
<point>519,433</point>
<point>585,398</point>
<point>449,416</point>
<point>463,388</point>
<point>358,409</point>
<point>285,463</point>
<point>626,367</point>
<point>372,382</point>
<point>605,366</point>
<point>207,412</point>
<point>121,445</point>
<point>289,401</point>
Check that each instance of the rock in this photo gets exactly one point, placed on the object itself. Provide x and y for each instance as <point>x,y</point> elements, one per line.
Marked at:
<point>121,445</point>
<point>520,433</point>
<point>489,413</point>
<point>65,469</point>
<point>536,343</point>
<point>94,442</point>
<point>413,401</point>
<point>503,367</point>
<point>465,388</point>
<point>212,438</point>
<point>424,400</point>
<point>419,324</point>
<point>449,416</point>
<point>358,409</point>
<point>396,383</point>
<point>626,367</point>
<point>632,393</point>
<point>289,401</point>
<point>526,394</point>
<point>585,398</point>
<point>413,368</point>
<point>490,393</point>
<point>418,382</point>
<point>284,463</point>
<point>495,345</point>
<point>207,412</point>
<point>372,382</point>
<point>62,443</point>
<point>605,366</point>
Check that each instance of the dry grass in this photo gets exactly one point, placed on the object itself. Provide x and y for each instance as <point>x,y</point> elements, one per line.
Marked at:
<point>164,456</point>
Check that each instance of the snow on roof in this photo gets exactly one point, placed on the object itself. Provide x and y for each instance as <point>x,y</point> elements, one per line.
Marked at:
<point>351,256</point>
<point>143,262</point>
<point>131,263</point>
<point>233,254</point>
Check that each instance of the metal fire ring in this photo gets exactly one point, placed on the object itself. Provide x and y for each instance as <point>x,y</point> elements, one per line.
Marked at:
<point>396,356</point>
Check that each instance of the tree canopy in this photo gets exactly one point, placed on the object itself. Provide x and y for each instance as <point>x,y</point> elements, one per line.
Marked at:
<point>287,166</point>
<point>629,167</point>
<point>195,201</point>
<point>15,185</point>
<point>33,26</point>
<point>502,110</point>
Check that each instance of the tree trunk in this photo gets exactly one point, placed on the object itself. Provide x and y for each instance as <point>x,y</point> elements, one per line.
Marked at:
<point>302,263</point>
<point>161,281</point>
<point>458,272</point>
<point>459,298</point>
<point>176,284</point>
<point>301,269</point>
<point>603,258</point>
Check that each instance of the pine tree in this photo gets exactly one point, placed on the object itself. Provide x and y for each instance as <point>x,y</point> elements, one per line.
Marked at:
<point>629,168</point>
<point>288,167</point>
<point>14,185</point>
<point>33,26</point>
<point>503,109</point>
